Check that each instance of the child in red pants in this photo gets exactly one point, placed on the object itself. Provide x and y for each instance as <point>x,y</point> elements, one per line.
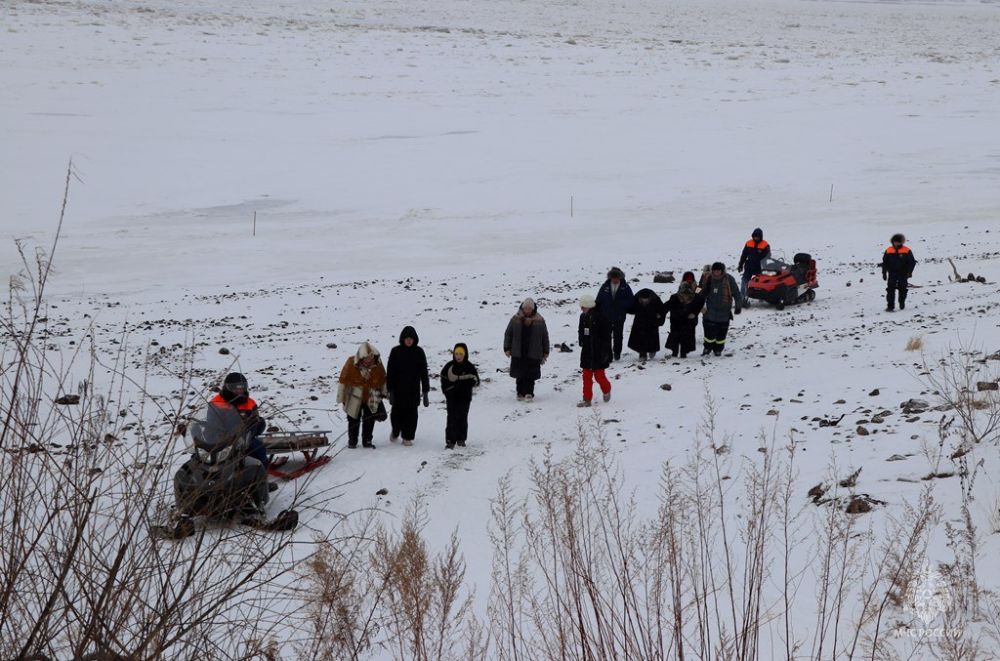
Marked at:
<point>595,349</point>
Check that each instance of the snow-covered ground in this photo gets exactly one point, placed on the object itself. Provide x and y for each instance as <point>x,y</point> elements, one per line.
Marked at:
<point>415,163</point>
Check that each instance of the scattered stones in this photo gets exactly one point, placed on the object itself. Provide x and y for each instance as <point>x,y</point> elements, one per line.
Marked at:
<point>564,348</point>
<point>382,492</point>
<point>331,345</point>
<point>223,351</point>
<point>825,422</point>
<point>817,492</point>
<point>912,406</point>
<point>666,386</point>
<point>851,480</point>
<point>939,476</point>
<point>896,457</point>
<point>874,393</point>
<point>861,431</point>
<point>983,386</point>
<point>664,277</point>
<point>68,400</point>
<point>859,505</point>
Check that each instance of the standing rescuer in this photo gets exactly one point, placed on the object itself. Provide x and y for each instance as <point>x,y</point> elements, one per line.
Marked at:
<point>755,251</point>
<point>897,269</point>
<point>614,300</point>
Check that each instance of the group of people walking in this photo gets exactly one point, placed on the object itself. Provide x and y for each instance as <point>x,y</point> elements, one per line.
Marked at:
<point>365,383</point>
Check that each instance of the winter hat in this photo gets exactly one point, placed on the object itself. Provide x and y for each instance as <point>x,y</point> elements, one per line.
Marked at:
<point>758,233</point>
<point>529,302</point>
<point>897,237</point>
<point>460,348</point>
<point>687,277</point>
<point>365,350</point>
<point>616,272</point>
<point>235,388</point>
<point>409,331</point>
<point>587,301</point>
<point>718,266</point>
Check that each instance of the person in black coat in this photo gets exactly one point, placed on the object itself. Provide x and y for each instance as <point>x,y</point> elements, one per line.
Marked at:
<point>408,383</point>
<point>595,349</point>
<point>645,336</point>
<point>897,269</point>
<point>755,251</point>
<point>615,299</point>
<point>458,378</point>
<point>683,308</point>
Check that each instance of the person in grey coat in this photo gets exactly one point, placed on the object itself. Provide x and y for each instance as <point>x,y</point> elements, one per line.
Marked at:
<point>526,343</point>
<point>722,295</point>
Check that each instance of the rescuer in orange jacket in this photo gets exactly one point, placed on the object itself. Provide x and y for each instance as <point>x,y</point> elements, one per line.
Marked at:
<point>897,269</point>
<point>755,251</point>
<point>236,393</point>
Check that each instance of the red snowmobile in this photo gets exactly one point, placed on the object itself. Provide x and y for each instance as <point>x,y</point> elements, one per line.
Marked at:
<point>781,284</point>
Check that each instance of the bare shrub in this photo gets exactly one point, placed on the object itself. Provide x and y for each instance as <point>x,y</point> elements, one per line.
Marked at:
<point>915,343</point>
<point>80,575</point>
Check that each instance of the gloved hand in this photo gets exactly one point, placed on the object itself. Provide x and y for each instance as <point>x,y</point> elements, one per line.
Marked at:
<point>427,401</point>
<point>507,353</point>
<point>885,276</point>
<point>739,269</point>
<point>544,358</point>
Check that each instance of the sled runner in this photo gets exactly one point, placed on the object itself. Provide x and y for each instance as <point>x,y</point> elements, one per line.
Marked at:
<point>281,444</point>
<point>783,284</point>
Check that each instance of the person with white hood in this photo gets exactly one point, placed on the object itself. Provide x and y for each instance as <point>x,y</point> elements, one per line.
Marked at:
<point>361,389</point>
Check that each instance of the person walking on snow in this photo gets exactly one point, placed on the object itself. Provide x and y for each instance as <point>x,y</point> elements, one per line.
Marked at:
<point>683,308</point>
<point>458,378</point>
<point>595,349</point>
<point>526,343</point>
<point>647,311</point>
<point>897,269</point>
<point>615,299</point>
<point>721,296</point>
<point>360,392</point>
<point>406,380</point>
<point>755,252</point>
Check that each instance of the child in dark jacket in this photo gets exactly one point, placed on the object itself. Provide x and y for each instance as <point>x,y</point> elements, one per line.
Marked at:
<point>458,378</point>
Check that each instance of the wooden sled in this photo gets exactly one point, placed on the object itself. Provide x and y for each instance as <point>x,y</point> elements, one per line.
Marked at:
<point>281,444</point>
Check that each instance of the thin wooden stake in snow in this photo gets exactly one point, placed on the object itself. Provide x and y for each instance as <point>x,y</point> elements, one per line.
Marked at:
<point>254,224</point>
<point>570,206</point>
<point>831,192</point>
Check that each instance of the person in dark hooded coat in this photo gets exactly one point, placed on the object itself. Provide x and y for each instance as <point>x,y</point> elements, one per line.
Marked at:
<point>615,299</point>
<point>683,309</point>
<point>648,312</point>
<point>408,383</point>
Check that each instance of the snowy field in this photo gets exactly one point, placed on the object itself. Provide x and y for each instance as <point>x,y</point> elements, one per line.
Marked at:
<point>415,163</point>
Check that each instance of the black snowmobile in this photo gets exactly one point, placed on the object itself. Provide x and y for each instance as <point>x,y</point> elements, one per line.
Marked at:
<point>220,482</point>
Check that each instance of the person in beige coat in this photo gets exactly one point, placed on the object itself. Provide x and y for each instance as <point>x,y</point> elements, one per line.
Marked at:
<point>360,392</point>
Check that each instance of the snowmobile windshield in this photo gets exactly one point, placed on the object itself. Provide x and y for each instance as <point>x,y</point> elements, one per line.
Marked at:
<point>774,266</point>
<point>218,434</point>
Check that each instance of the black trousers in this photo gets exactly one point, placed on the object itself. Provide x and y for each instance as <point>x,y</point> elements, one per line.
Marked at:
<point>618,332</point>
<point>403,418</point>
<point>458,420</point>
<point>715,335</point>
<point>893,284</point>
<point>365,423</point>
<point>525,386</point>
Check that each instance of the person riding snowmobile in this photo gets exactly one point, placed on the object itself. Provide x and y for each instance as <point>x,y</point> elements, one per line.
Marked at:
<point>236,393</point>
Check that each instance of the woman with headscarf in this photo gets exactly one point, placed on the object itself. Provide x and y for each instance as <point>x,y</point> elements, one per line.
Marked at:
<point>683,308</point>
<point>526,343</point>
<point>360,392</point>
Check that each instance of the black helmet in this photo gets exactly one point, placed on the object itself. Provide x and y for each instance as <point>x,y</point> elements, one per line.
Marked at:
<point>897,238</point>
<point>235,388</point>
<point>758,233</point>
